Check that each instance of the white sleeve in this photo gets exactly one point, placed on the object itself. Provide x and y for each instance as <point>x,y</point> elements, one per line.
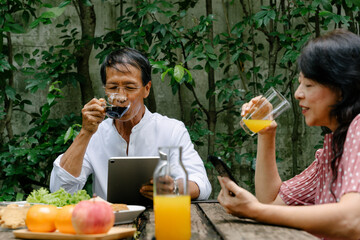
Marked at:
<point>192,161</point>
<point>61,178</point>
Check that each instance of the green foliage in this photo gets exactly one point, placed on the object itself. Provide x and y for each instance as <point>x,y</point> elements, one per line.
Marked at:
<point>26,161</point>
<point>46,16</point>
<point>254,52</point>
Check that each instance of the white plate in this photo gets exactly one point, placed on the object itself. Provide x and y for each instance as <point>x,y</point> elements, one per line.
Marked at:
<point>20,203</point>
<point>128,216</point>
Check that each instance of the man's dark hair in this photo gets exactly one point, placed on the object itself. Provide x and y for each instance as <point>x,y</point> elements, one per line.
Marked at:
<point>124,57</point>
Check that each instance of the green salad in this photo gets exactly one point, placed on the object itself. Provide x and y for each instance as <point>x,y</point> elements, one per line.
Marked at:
<point>59,198</point>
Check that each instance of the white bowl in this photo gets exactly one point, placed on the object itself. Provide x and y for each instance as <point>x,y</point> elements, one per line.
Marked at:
<point>128,216</point>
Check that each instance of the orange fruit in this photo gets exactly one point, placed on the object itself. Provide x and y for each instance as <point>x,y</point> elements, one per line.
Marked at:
<point>41,218</point>
<point>63,219</point>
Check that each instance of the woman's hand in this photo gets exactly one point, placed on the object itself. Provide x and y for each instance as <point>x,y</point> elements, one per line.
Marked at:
<point>252,106</point>
<point>93,113</point>
<point>243,204</point>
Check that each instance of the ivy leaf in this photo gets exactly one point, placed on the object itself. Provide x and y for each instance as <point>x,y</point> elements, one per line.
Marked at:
<point>25,16</point>
<point>19,59</point>
<point>235,56</point>
<point>53,13</point>
<point>355,2</point>
<point>64,3</point>
<point>209,48</point>
<point>159,64</point>
<point>32,62</point>
<point>190,76</point>
<point>48,15</point>
<point>164,74</point>
<point>16,28</point>
<point>214,64</point>
<point>57,11</point>
<point>178,72</point>
<point>68,134</point>
<point>9,18</point>
<point>4,63</point>
<point>198,67</point>
<point>327,6</point>
<point>50,98</point>
<point>10,92</point>
<point>35,52</point>
<point>33,140</point>
<point>35,23</point>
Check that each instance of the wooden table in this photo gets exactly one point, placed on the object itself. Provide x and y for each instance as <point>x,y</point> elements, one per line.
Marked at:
<point>209,221</point>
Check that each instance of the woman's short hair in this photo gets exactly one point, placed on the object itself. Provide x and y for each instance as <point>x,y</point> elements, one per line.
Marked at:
<point>124,57</point>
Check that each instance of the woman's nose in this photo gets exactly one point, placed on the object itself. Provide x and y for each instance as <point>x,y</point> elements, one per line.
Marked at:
<point>299,94</point>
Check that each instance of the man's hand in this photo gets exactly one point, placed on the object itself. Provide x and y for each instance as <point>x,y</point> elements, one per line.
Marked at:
<point>93,113</point>
<point>165,185</point>
<point>147,190</point>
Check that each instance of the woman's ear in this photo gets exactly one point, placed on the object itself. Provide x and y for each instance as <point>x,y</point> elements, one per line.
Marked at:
<point>147,89</point>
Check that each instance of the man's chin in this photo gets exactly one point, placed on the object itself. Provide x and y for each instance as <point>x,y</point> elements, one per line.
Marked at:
<point>127,117</point>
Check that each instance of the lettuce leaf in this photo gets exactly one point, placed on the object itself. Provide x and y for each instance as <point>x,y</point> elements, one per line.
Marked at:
<point>59,198</point>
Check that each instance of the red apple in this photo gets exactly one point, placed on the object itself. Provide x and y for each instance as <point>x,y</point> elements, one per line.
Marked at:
<point>92,217</point>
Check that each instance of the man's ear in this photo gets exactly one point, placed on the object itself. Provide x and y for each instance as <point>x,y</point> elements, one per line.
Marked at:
<point>147,89</point>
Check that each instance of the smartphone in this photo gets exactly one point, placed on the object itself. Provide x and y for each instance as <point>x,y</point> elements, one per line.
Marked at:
<point>221,168</point>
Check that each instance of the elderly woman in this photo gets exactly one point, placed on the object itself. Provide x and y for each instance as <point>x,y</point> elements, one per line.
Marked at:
<point>325,198</point>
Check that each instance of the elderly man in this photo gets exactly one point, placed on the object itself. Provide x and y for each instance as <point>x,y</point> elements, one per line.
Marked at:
<point>126,75</point>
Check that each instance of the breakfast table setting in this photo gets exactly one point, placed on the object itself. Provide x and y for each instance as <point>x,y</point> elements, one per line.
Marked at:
<point>208,221</point>
<point>171,215</point>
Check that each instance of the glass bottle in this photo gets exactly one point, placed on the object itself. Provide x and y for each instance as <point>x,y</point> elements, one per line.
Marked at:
<point>171,196</point>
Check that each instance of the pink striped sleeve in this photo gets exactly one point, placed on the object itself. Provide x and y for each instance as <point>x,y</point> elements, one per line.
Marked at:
<point>300,190</point>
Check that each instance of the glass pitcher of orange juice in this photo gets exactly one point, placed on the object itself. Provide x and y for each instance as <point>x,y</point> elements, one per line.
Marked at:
<point>171,196</point>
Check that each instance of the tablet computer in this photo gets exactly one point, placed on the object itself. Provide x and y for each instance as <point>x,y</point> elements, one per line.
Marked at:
<point>126,175</point>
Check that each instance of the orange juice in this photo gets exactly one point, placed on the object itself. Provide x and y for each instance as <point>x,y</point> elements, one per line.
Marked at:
<point>172,217</point>
<point>257,125</point>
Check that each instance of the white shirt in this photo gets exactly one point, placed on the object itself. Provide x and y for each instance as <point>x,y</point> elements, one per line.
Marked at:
<point>153,131</point>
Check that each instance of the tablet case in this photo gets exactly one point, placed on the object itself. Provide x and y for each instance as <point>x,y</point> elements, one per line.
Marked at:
<point>126,175</point>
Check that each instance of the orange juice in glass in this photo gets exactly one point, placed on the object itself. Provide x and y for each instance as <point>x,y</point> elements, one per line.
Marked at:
<point>263,109</point>
<point>171,196</point>
<point>257,125</point>
<point>172,217</point>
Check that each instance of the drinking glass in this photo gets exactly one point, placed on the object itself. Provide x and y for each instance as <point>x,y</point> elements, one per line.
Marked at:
<point>112,108</point>
<point>171,197</point>
<point>267,108</point>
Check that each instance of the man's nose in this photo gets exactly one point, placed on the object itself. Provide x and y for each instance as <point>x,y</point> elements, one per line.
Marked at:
<point>121,98</point>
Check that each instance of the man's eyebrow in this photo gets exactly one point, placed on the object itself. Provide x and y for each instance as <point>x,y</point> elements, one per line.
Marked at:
<point>126,82</point>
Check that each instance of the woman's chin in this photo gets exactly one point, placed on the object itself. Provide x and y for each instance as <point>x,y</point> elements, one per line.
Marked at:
<point>309,123</point>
